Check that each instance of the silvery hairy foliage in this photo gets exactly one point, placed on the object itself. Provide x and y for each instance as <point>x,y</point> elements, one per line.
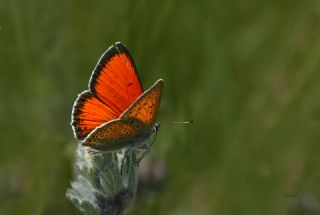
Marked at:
<point>105,182</point>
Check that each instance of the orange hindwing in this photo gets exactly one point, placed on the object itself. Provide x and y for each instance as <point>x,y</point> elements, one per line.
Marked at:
<point>146,107</point>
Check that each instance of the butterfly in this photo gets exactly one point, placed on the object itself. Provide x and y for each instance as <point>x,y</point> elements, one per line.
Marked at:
<point>115,112</point>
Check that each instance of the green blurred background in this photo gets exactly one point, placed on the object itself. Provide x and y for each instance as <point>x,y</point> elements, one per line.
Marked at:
<point>247,72</point>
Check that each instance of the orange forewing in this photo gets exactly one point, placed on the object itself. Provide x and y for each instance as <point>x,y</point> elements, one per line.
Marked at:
<point>115,80</point>
<point>88,113</point>
<point>114,85</point>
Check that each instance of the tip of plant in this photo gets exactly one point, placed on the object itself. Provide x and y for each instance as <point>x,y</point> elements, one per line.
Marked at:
<point>105,181</point>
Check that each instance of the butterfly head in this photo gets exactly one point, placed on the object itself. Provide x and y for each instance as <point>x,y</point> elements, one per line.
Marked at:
<point>154,133</point>
<point>156,126</point>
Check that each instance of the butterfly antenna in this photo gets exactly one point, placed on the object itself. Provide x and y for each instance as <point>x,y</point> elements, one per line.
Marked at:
<point>181,122</point>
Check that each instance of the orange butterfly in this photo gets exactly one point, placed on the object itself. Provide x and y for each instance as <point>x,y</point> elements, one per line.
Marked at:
<point>115,112</point>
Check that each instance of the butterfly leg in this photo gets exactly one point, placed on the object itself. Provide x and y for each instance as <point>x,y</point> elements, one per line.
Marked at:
<point>146,147</point>
<point>145,152</point>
